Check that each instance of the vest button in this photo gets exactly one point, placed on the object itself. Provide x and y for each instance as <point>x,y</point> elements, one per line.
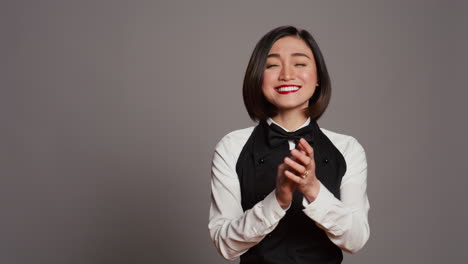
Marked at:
<point>325,160</point>
<point>261,160</point>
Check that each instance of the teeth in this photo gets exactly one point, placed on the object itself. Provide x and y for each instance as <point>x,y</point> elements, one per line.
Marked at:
<point>288,88</point>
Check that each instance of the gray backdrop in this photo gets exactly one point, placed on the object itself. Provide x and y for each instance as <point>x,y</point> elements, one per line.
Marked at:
<point>110,111</point>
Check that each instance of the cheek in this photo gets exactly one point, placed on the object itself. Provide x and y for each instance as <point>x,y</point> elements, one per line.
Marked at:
<point>309,76</point>
<point>310,80</point>
<point>268,82</point>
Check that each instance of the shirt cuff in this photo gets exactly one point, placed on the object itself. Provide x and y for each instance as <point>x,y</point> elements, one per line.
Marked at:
<point>320,206</point>
<point>271,209</point>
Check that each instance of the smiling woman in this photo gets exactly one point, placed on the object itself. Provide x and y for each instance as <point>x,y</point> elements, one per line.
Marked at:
<point>286,190</point>
<point>290,68</point>
<point>265,52</point>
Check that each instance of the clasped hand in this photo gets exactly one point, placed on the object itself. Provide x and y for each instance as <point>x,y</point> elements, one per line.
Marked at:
<point>297,172</point>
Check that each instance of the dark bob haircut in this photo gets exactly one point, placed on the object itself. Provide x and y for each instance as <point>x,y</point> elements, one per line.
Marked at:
<point>255,102</point>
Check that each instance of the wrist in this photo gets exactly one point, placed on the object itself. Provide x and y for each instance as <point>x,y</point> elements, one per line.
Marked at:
<point>284,204</point>
<point>312,192</point>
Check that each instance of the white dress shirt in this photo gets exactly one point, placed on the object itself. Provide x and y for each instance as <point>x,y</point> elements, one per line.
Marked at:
<point>234,231</point>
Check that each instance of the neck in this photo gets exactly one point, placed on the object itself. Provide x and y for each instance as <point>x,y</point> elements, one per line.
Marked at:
<point>290,120</point>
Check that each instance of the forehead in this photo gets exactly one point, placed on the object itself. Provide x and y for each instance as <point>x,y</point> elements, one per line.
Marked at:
<point>289,45</point>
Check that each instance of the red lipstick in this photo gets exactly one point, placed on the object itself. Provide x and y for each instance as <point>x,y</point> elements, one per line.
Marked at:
<point>287,88</point>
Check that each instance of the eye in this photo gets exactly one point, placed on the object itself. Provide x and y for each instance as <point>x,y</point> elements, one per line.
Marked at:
<point>271,65</point>
<point>300,65</point>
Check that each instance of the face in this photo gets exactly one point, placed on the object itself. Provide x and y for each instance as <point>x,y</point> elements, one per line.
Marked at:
<point>290,75</point>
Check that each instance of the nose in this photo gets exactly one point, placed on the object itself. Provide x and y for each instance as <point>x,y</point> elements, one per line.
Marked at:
<point>287,73</point>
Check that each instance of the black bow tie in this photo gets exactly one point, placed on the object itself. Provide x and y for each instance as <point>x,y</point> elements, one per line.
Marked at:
<point>277,135</point>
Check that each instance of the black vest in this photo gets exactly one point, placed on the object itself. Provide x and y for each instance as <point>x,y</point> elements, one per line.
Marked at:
<point>296,239</point>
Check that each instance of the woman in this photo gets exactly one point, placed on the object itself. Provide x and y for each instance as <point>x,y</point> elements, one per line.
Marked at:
<point>287,191</point>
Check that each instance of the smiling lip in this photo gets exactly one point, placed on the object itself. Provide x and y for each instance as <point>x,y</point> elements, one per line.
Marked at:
<point>287,88</point>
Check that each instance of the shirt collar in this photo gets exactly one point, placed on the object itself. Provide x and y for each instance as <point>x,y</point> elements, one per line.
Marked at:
<point>306,123</point>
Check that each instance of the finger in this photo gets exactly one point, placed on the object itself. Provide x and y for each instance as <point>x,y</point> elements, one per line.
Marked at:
<point>281,166</point>
<point>294,165</point>
<point>301,156</point>
<point>293,177</point>
<point>308,149</point>
<point>301,148</point>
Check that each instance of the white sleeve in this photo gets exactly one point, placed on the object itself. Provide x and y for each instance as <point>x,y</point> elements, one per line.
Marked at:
<point>232,230</point>
<point>345,221</point>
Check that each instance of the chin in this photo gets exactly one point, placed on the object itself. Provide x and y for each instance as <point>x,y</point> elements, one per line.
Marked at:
<point>291,105</point>
<point>289,108</point>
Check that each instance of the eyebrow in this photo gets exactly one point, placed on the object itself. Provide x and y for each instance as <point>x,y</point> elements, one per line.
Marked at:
<point>275,55</point>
